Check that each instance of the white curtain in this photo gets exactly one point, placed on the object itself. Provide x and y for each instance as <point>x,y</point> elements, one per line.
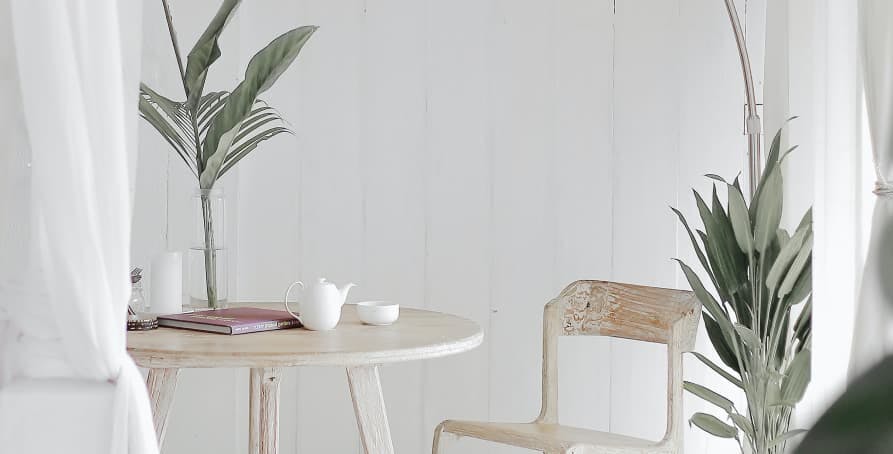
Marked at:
<point>75,63</point>
<point>812,71</point>
<point>873,333</point>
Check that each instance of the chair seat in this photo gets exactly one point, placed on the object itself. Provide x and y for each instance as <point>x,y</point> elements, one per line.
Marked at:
<point>552,437</point>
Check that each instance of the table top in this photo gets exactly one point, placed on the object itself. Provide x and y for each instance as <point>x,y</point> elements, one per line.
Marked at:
<point>418,334</point>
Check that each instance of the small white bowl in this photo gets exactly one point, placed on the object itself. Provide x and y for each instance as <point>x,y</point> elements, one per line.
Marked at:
<point>378,313</point>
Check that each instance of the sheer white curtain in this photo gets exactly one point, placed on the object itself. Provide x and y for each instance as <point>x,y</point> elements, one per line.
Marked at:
<point>75,62</point>
<point>874,331</point>
<point>812,71</point>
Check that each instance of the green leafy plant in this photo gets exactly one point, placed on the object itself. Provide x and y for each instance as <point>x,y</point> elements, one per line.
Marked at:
<point>212,132</point>
<point>760,274</point>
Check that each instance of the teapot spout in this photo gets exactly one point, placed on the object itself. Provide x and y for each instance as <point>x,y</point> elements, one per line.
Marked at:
<point>344,290</point>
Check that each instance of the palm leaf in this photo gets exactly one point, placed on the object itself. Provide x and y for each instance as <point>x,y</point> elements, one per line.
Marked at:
<point>258,118</point>
<point>250,144</point>
<point>263,70</point>
<point>209,106</point>
<point>172,109</point>
<point>169,131</point>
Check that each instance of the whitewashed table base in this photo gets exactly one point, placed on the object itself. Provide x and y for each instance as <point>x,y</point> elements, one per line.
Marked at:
<point>263,411</point>
<point>162,384</point>
<point>368,405</point>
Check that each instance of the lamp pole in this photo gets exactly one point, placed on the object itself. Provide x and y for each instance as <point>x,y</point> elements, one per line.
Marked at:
<point>753,123</point>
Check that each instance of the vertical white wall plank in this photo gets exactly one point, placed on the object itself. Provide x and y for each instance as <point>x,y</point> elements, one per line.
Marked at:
<point>583,191</point>
<point>269,220</point>
<point>522,88</point>
<point>393,174</point>
<point>458,206</point>
<point>711,140</point>
<point>646,100</point>
<point>149,225</point>
<point>329,131</point>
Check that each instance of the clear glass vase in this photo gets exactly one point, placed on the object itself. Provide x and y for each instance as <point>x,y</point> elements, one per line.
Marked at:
<point>208,283</point>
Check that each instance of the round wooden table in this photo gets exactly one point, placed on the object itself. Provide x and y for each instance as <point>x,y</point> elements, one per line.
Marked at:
<point>361,349</point>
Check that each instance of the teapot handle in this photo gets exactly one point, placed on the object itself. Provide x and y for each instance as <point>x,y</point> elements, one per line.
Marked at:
<point>287,292</point>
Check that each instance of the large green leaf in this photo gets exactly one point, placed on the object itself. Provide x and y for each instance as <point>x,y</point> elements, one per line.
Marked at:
<point>263,70</point>
<point>721,281</point>
<point>802,287</point>
<point>719,370</point>
<point>795,271</point>
<point>733,261</point>
<point>789,252</point>
<point>695,245</point>
<point>209,175</point>
<point>803,325</point>
<point>768,214</point>
<point>770,166</point>
<point>206,52</point>
<point>710,424</point>
<point>721,343</point>
<point>797,378</point>
<point>743,423</point>
<point>750,339</point>
<point>738,214</point>
<point>707,300</point>
<point>860,421</point>
<point>709,395</point>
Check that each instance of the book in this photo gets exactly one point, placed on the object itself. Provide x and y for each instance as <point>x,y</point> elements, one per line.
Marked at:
<point>237,320</point>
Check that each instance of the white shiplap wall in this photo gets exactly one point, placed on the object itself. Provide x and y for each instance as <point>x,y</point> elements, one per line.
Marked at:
<point>466,156</point>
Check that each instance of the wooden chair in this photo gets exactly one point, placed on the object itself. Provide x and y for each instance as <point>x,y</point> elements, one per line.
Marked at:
<point>595,308</point>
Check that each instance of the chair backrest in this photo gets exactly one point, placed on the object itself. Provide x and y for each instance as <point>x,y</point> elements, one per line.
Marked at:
<point>599,308</point>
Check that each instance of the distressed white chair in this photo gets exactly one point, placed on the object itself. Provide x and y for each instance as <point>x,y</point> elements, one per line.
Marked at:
<point>596,308</point>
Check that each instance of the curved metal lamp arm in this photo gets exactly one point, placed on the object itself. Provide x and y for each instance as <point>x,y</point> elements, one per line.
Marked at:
<point>754,127</point>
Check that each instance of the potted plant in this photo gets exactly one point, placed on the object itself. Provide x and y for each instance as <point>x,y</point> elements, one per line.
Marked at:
<point>761,274</point>
<point>211,132</point>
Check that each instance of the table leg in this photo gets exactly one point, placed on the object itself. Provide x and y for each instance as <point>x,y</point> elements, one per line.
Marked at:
<point>263,411</point>
<point>368,405</point>
<point>162,384</point>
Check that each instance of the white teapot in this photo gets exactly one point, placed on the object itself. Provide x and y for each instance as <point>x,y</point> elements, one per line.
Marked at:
<point>320,306</point>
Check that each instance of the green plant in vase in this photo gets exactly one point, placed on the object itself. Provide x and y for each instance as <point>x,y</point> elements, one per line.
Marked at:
<point>761,274</point>
<point>212,132</point>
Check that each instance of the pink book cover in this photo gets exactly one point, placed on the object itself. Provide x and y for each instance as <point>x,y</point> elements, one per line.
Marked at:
<point>237,320</point>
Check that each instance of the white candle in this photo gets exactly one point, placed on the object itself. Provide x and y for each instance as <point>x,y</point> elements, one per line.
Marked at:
<point>166,283</point>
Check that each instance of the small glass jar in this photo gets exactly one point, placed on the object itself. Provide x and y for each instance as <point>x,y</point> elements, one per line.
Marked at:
<point>137,301</point>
